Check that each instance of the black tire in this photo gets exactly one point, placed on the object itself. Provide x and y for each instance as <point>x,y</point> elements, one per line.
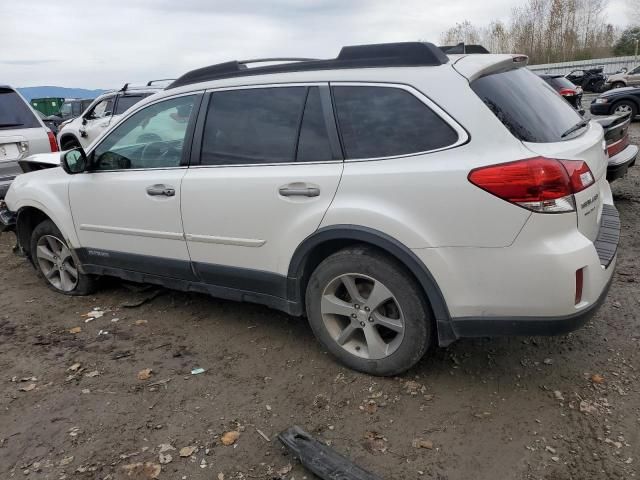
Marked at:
<point>413,309</point>
<point>69,143</point>
<point>84,284</point>
<point>626,103</point>
<point>618,85</point>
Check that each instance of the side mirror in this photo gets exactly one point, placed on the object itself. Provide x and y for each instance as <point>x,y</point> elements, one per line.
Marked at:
<point>74,161</point>
<point>84,120</point>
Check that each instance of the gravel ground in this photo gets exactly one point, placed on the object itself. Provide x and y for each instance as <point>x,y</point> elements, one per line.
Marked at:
<point>72,405</point>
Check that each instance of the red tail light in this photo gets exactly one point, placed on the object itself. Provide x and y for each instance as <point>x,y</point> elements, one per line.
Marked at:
<point>568,91</point>
<point>52,142</point>
<point>539,184</point>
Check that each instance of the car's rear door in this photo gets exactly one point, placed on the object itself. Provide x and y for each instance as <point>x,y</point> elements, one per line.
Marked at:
<point>267,166</point>
<point>126,209</point>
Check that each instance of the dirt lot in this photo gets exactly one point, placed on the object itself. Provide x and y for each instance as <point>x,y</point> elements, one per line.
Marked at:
<point>553,408</point>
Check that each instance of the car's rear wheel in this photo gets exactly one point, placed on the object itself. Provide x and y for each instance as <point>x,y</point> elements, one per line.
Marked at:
<point>617,85</point>
<point>368,311</point>
<point>625,107</point>
<point>54,262</point>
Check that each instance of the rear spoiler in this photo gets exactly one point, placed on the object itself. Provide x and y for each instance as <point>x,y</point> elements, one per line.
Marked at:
<point>613,121</point>
<point>462,48</point>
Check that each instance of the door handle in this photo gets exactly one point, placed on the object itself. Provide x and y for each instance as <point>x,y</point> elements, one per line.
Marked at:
<point>299,191</point>
<point>161,190</point>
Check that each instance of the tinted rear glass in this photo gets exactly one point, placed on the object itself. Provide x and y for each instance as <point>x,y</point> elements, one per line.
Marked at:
<point>527,106</point>
<point>560,82</point>
<point>14,112</point>
<point>314,144</point>
<point>385,122</point>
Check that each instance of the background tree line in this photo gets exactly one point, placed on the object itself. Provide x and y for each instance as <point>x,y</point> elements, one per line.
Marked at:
<point>550,31</point>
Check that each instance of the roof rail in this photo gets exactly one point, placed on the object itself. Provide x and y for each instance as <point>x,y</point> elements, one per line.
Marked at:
<point>151,82</point>
<point>463,48</point>
<point>278,59</point>
<point>405,54</point>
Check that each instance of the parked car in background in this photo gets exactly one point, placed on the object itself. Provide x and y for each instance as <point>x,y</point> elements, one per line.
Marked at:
<point>102,112</point>
<point>22,133</point>
<point>622,155</point>
<point>618,101</point>
<point>184,190</point>
<point>625,79</point>
<point>570,92</point>
<point>74,107</point>
<point>52,122</point>
<point>590,79</point>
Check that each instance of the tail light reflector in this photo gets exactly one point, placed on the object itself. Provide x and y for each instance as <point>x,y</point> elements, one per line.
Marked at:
<point>538,184</point>
<point>52,142</point>
<point>616,147</point>
<point>568,91</point>
<point>579,285</point>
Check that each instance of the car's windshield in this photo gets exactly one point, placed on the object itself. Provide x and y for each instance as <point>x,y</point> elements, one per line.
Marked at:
<point>527,106</point>
<point>14,112</point>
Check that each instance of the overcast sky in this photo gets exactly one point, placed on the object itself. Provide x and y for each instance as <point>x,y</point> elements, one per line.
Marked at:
<point>102,44</point>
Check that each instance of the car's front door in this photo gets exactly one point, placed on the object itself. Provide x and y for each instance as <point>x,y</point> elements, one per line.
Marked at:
<point>126,209</point>
<point>270,164</point>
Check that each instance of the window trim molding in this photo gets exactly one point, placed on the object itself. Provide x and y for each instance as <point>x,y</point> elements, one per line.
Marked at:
<point>463,135</point>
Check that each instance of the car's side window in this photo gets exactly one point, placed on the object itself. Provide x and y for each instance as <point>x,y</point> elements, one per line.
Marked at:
<point>386,121</point>
<point>102,109</point>
<point>252,126</point>
<point>313,144</point>
<point>151,138</point>
<point>125,102</point>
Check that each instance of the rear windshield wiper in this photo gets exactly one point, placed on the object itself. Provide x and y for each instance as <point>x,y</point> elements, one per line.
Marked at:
<point>10,124</point>
<point>577,126</point>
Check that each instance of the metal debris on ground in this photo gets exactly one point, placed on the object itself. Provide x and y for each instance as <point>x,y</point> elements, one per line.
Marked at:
<point>146,299</point>
<point>321,460</point>
<point>197,371</point>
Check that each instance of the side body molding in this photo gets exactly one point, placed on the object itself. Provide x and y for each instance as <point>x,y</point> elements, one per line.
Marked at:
<point>355,233</point>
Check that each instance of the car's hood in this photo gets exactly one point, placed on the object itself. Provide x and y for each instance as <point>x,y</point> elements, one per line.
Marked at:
<point>40,161</point>
<point>619,91</point>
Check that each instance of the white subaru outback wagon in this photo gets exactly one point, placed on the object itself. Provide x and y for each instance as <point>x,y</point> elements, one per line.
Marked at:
<point>396,196</point>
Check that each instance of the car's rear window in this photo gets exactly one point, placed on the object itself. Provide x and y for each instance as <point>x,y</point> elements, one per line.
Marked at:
<point>560,82</point>
<point>527,106</point>
<point>14,112</point>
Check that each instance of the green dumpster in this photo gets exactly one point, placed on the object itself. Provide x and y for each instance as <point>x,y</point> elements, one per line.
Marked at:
<point>48,106</point>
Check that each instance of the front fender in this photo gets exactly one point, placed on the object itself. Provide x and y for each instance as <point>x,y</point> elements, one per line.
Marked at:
<point>48,191</point>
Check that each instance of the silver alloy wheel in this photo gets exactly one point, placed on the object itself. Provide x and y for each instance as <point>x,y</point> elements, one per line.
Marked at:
<point>56,263</point>
<point>622,109</point>
<point>362,316</point>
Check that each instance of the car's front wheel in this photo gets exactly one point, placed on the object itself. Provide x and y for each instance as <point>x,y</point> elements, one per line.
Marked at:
<point>54,263</point>
<point>369,311</point>
<point>625,107</point>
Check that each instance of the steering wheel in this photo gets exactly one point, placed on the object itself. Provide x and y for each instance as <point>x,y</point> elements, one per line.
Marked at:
<point>158,151</point>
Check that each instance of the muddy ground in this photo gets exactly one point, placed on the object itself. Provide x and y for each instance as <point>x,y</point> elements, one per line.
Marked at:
<point>545,408</point>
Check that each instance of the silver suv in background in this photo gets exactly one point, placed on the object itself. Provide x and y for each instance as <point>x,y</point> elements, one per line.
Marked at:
<point>22,133</point>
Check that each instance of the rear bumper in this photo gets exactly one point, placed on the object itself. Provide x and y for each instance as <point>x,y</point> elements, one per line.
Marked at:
<point>620,163</point>
<point>7,220</point>
<point>527,326</point>
<point>528,288</point>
